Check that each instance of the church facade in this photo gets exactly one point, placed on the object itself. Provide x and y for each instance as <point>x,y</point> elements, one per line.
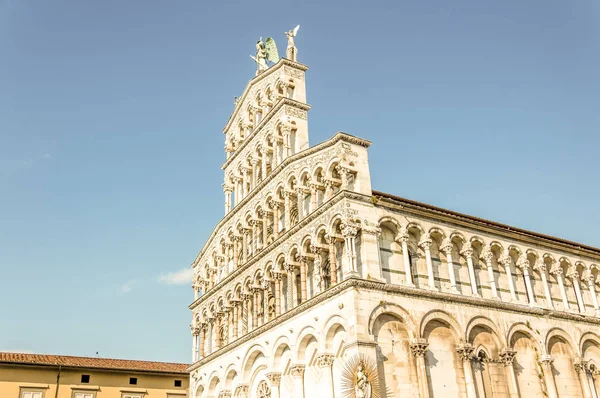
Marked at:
<point>315,285</point>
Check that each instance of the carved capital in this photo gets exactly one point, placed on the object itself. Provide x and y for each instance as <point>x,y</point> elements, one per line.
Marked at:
<point>297,371</point>
<point>419,347</point>
<point>487,255</point>
<point>507,357</point>
<point>465,351</point>
<point>241,391</point>
<point>467,250</point>
<point>573,274</point>
<point>581,365</point>
<point>274,378</point>
<point>505,259</point>
<point>540,267</point>
<point>523,262</point>
<point>446,246</point>
<point>325,360</point>
<point>349,231</point>
<point>425,242</point>
<point>556,270</point>
<point>402,236</point>
<point>225,394</point>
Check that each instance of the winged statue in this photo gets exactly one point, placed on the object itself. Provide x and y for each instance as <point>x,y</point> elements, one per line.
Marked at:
<point>291,52</point>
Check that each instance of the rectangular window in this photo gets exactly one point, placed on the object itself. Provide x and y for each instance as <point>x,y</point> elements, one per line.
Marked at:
<point>32,394</point>
<point>85,379</point>
<point>131,396</point>
<point>84,395</point>
<point>133,380</point>
<point>177,383</point>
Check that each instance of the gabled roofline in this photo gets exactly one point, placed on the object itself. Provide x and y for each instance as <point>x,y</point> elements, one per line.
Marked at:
<point>254,80</point>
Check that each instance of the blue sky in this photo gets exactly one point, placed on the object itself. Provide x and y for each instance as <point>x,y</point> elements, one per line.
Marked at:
<point>111,115</point>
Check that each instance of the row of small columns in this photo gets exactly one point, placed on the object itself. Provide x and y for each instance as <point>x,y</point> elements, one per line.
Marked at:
<point>419,349</point>
<point>237,313</point>
<point>324,362</point>
<point>505,260</point>
<point>465,351</point>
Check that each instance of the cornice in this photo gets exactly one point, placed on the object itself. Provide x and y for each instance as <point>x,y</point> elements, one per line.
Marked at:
<point>260,255</point>
<point>340,136</point>
<point>358,283</point>
<point>280,104</point>
<point>256,79</point>
<point>473,223</point>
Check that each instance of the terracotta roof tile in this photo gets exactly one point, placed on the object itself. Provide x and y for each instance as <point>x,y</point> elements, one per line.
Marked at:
<point>88,362</point>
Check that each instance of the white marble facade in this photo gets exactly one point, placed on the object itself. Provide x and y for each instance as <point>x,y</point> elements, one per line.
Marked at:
<point>311,269</point>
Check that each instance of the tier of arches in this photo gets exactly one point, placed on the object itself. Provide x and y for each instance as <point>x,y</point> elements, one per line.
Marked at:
<point>435,355</point>
<point>258,104</point>
<point>284,280</point>
<point>310,357</point>
<point>294,197</point>
<point>434,257</point>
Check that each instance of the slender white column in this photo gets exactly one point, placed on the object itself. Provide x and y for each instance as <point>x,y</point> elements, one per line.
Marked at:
<point>447,247</point>
<point>349,233</point>
<point>263,163</point>
<point>523,264</point>
<point>227,191</point>
<point>297,372</point>
<point>325,362</point>
<point>245,183</point>
<point>300,201</point>
<point>418,348</point>
<point>541,268</point>
<point>591,279</point>
<point>546,363</point>
<point>467,251</point>
<point>581,367</point>
<point>487,256</point>
<point>313,197</point>
<point>465,351</point>
<point>274,381</point>
<point>195,333</point>
<point>574,275</point>
<point>425,244</point>
<point>557,271</point>
<point>507,357</point>
<point>403,238</point>
<point>290,286</point>
<point>506,261</point>
<point>287,211</point>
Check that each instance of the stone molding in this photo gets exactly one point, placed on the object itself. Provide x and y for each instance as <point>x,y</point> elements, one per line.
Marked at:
<point>281,105</point>
<point>357,283</point>
<point>444,216</point>
<point>282,63</point>
<point>274,174</point>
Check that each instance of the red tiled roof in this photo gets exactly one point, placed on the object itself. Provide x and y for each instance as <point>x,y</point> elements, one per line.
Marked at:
<point>88,362</point>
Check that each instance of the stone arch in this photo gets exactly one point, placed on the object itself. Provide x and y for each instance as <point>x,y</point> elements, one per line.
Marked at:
<point>252,354</point>
<point>588,337</point>
<point>391,220</point>
<point>481,321</point>
<point>231,374</point>
<point>397,311</point>
<point>438,315</point>
<point>281,346</point>
<point>520,327</point>
<point>329,330</point>
<point>304,339</point>
<point>558,332</point>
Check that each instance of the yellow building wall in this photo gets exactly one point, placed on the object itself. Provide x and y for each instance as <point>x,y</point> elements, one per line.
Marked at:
<point>105,384</point>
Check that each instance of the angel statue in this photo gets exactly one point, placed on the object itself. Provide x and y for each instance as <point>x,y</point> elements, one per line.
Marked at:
<point>261,57</point>
<point>291,52</point>
<point>265,51</point>
<point>363,386</point>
